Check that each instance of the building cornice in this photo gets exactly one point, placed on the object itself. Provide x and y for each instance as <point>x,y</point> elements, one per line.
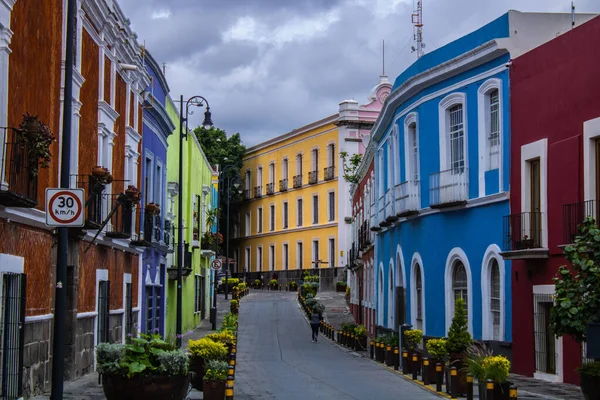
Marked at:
<point>153,65</point>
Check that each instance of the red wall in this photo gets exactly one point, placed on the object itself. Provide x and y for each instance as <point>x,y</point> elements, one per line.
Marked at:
<point>554,89</point>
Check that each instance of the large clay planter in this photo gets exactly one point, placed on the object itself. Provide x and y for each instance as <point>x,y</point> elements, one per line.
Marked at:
<point>590,386</point>
<point>501,391</point>
<point>197,369</point>
<point>431,370</point>
<point>151,387</point>
<point>213,390</point>
<point>456,360</point>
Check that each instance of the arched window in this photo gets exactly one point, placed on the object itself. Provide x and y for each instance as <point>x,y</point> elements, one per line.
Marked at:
<point>460,284</point>
<point>419,290</point>
<point>495,299</point>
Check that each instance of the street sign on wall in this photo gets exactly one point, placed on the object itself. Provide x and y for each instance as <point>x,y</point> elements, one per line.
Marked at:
<point>64,207</point>
<point>216,264</point>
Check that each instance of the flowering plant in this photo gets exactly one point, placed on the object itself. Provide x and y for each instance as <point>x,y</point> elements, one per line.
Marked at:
<point>216,371</point>
<point>37,138</point>
<point>207,349</point>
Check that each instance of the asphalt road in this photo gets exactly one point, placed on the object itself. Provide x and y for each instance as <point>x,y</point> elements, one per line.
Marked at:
<point>277,359</point>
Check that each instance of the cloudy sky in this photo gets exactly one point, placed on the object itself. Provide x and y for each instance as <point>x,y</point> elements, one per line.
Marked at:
<point>270,66</point>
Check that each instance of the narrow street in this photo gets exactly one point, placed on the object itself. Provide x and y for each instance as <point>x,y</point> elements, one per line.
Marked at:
<point>277,360</point>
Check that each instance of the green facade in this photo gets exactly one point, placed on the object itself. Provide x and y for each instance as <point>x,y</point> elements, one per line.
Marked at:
<point>197,199</point>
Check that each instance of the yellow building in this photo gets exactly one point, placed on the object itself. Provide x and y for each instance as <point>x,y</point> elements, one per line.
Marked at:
<point>289,219</point>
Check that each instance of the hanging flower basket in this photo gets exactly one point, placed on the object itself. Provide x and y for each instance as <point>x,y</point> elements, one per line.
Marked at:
<point>133,193</point>
<point>153,208</point>
<point>37,138</point>
<point>99,171</point>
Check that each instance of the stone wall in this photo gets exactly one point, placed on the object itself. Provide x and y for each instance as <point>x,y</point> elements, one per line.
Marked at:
<point>84,348</point>
<point>115,328</point>
<point>37,363</point>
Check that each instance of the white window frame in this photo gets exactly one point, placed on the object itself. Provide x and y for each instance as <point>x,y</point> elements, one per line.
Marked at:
<point>391,291</point>
<point>272,256</point>
<point>417,262</point>
<point>483,122</point>
<point>492,253</point>
<point>247,256</point>
<point>457,254</point>
<point>299,222</point>
<point>591,133</point>
<point>285,258</point>
<point>299,254</point>
<point>411,118</point>
<point>313,242</point>
<point>312,206</point>
<point>126,280</point>
<point>285,209</point>
<point>285,166</point>
<point>529,152</point>
<point>101,275</point>
<point>558,377</point>
<point>248,223</point>
<point>259,172</point>
<point>259,256</point>
<point>259,218</point>
<point>272,173</point>
<point>331,255</point>
<point>272,219</point>
<point>380,296</point>
<point>330,218</point>
<point>448,102</point>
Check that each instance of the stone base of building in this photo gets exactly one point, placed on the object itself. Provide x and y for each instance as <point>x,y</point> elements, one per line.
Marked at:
<point>37,361</point>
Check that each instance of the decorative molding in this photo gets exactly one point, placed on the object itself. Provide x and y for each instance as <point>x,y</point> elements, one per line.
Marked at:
<point>38,318</point>
<point>457,254</point>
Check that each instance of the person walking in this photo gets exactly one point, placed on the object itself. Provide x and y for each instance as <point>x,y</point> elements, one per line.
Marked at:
<point>315,321</point>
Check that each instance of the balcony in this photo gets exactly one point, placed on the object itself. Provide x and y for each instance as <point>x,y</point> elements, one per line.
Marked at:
<point>328,173</point>
<point>297,181</point>
<point>270,188</point>
<point>18,186</point>
<point>573,215</point>
<point>374,226</point>
<point>283,185</point>
<point>94,201</point>
<point>313,177</point>
<point>121,222</point>
<point>257,191</point>
<point>449,188</point>
<point>247,194</point>
<point>408,201</point>
<point>523,236</point>
<point>169,236</point>
<point>145,225</point>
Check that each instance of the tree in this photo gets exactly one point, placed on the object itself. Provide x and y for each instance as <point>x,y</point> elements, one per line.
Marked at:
<point>577,289</point>
<point>459,338</point>
<point>350,166</point>
<point>219,149</point>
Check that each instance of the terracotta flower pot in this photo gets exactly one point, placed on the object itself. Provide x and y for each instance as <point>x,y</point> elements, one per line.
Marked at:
<point>150,387</point>
<point>98,171</point>
<point>213,390</point>
<point>198,371</point>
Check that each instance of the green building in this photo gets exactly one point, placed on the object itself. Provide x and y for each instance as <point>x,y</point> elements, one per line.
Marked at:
<point>198,192</point>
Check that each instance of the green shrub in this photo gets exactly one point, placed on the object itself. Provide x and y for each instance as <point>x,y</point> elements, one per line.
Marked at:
<point>293,285</point>
<point>590,369</point>
<point>474,361</point>
<point>216,371</point>
<point>257,282</point>
<point>496,368</point>
<point>273,282</point>
<point>207,349</point>
<point>174,362</point>
<point>437,348</point>
<point>360,331</point>
<point>413,338</point>
<point>459,338</point>
<point>340,284</point>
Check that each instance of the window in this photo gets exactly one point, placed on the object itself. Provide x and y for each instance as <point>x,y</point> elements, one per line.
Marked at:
<point>495,299</point>
<point>457,139</point>
<point>272,218</point>
<point>315,209</point>
<point>272,172</point>
<point>259,221</point>
<point>272,257</point>
<point>103,310</point>
<point>248,181</point>
<point>316,251</point>
<point>299,212</point>
<point>285,215</point>
<point>459,283</point>
<point>259,255</point>
<point>414,152</point>
<point>148,182</point>
<point>247,259</point>
<point>299,164</point>
<point>284,169</point>
<point>493,100</point>
<point>331,216</point>
<point>299,254</point>
<point>247,224</point>
<point>259,177</point>
<point>331,253</point>
<point>331,155</point>
<point>149,309</point>
<point>419,291</point>
<point>315,159</point>
<point>285,256</point>
<point>158,186</point>
<point>197,293</point>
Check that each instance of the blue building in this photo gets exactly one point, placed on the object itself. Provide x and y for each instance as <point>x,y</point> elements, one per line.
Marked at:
<point>157,230</point>
<point>441,153</point>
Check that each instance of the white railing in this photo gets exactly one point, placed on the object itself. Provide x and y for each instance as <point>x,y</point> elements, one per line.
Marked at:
<point>389,204</point>
<point>408,197</point>
<point>450,186</point>
<point>381,210</point>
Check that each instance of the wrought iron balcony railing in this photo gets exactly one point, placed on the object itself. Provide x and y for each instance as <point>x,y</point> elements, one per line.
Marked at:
<point>145,230</point>
<point>449,188</point>
<point>297,181</point>
<point>18,183</point>
<point>121,222</point>
<point>522,231</point>
<point>408,201</point>
<point>169,236</point>
<point>313,177</point>
<point>574,214</point>
<point>328,173</point>
<point>95,200</point>
<point>247,194</point>
<point>283,185</point>
<point>270,188</point>
<point>258,191</point>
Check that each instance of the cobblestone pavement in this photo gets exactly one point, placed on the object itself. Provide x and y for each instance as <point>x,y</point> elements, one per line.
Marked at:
<point>277,360</point>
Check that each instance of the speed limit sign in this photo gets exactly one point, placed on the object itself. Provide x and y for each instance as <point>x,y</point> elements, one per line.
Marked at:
<point>64,207</point>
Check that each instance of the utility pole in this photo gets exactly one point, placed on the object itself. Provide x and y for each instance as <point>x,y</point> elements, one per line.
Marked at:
<point>58,346</point>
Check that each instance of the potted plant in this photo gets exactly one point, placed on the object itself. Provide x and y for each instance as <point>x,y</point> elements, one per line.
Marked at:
<point>213,386</point>
<point>133,193</point>
<point>257,283</point>
<point>153,208</point>
<point>201,351</point>
<point>412,339</point>
<point>437,353</point>
<point>473,364</point>
<point>340,286</point>
<point>361,334</point>
<point>459,340</point>
<point>273,284</point>
<point>497,368</point>
<point>147,367</point>
<point>37,138</point>
<point>293,286</point>
<point>225,336</point>
<point>577,298</point>
<point>234,306</point>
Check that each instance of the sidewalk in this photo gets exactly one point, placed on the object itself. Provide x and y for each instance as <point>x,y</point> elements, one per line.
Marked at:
<point>87,387</point>
<point>337,312</point>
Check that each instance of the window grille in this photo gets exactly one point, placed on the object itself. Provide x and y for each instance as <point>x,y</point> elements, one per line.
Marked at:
<point>457,140</point>
<point>494,130</point>
<point>459,283</point>
<point>495,299</point>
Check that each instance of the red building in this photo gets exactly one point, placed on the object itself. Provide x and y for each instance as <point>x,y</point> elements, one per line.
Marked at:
<point>362,255</point>
<point>555,118</point>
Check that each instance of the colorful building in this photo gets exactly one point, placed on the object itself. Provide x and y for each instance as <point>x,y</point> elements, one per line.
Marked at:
<point>157,231</point>
<point>102,284</point>
<point>555,122</point>
<point>198,199</point>
<point>441,154</point>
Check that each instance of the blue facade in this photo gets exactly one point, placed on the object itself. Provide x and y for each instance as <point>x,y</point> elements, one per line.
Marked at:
<point>157,126</point>
<point>441,151</point>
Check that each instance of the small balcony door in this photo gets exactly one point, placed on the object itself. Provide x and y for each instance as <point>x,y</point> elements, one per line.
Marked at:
<point>535,200</point>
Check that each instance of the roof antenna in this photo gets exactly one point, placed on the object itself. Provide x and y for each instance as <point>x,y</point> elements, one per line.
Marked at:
<point>417,21</point>
<point>572,14</point>
<point>164,68</point>
<point>383,61</point>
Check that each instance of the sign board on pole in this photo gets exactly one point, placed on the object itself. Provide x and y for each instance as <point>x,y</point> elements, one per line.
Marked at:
<point>64,207</point>
<point>216,264</point>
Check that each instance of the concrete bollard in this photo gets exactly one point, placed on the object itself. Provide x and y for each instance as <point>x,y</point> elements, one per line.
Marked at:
<point>489,390</point>
<point>388,355</point>
<point>230,371</point>
<point>513,393</point>
<point>453,382</point>
<point>425,374</point>
<point>229,388</point>
<point>414,367</point>
<point>438,377</point>
<point>405,362</point>
<point>371,348</point>
<point>396,358</point>
<point>469,387</point>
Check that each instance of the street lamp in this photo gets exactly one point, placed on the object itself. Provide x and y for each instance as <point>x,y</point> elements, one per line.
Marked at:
<point>236,185</point>
<point>196,101</point>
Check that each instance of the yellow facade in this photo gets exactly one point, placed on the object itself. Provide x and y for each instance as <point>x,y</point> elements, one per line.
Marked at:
<point>269,245</point>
